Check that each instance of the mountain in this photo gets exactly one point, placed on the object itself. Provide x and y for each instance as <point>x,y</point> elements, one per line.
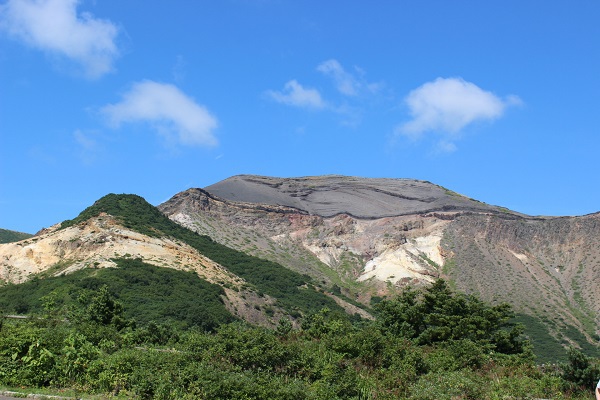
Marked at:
<point>125,227</point>
<point>367,238</point>
<point>328,196</point>
<point>286,247</point>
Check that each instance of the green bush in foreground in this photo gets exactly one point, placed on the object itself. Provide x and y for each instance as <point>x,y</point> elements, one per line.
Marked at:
<point>329,357</point>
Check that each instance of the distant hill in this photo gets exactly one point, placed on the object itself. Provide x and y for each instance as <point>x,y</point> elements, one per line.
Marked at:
<point>7,236</point>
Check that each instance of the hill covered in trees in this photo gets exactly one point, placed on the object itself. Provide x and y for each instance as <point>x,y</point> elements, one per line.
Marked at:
<point>8,236</point>
<point>294,292</point>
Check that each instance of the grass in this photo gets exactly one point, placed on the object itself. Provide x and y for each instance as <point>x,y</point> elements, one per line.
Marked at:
<point>545,346</point>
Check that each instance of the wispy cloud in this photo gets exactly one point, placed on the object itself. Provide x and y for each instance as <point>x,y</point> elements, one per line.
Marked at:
<point>294,94</point>
<point>55,27</point>
<point>348,84</point>
<point>355,93</point>
<point>179,69</point>
<point>168,109</point>
<point>345,82</point>
<point>446,106</point>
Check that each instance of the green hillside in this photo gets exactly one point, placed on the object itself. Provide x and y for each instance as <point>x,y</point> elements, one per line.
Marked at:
<point>7,236</point>
<point>294,292</point>
<point>147,293</point>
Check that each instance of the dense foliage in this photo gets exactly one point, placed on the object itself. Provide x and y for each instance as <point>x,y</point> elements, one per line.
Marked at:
<point>7,236</point>
<point>146,292</point>
<point>293,291</point>
<point>329,357</point>
<point>438,315</point>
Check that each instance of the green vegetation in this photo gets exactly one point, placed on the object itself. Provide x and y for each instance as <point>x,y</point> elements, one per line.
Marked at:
<point>437,315</point>
<point>546,348</point>
<point>146,292</point>
<point>398,356</point>
<point>7,236</point>
<point>294,292</point>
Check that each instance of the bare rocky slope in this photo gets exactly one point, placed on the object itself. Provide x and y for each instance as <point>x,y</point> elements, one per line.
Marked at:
<point>331,195</point>
<point>370,237</point>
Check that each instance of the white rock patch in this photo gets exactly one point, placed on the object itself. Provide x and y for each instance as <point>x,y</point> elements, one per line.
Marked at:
<point>405,261</point>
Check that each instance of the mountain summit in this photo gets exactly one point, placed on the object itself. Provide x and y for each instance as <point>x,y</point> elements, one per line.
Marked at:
<point>331,195</point>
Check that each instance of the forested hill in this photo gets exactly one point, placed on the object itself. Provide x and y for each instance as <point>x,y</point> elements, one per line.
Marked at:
<point>8,236</point>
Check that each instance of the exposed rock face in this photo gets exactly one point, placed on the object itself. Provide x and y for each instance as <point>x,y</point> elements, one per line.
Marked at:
<point>94,244</point>
<point>371,236</point>
<point>379,250</point>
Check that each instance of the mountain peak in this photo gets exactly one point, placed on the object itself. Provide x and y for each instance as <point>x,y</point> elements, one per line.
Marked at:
<point>331,195</point>
<point>131,210</point>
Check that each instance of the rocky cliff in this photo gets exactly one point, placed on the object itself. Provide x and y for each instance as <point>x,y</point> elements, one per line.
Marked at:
<point>370,237</point>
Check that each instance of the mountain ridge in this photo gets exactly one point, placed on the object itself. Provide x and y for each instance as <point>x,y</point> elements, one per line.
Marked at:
<point>546,267</point>
<point>366,198</point>
<point>116,225</point>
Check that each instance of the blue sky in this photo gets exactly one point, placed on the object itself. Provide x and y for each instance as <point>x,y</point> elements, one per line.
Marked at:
<point>497,100</point>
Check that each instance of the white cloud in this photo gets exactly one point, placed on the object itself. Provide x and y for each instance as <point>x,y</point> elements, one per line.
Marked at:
<point>55,27</point>
<point>345,82</point>
<point>294,94</point>
<point>348,84</point>
<point>170,110</point>
<point>447,105</point>
<point>84,141</point>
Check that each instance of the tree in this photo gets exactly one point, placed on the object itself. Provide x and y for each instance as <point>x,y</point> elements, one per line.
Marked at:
<point>579,369</point>
<point>104,309</point>
<point>437,314</point>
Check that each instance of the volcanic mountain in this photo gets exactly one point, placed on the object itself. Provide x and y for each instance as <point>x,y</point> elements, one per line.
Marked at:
<point>285,247</point>
<point>367,238</point>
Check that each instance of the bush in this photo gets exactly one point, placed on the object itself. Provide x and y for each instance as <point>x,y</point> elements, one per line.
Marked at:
<point>438,315</point>
<point>580,370</point>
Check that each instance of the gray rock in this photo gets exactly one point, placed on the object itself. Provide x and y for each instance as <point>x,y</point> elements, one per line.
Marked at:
<point>331,195</point>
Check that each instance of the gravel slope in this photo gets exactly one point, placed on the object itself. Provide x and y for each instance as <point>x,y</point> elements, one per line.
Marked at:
<point>331,195</point>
